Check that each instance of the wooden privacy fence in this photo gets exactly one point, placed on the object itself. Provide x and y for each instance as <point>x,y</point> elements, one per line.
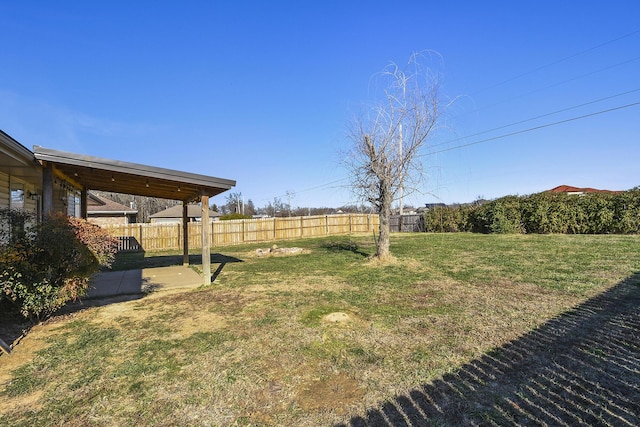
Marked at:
<point>155,237</point>
<point>406,223</point>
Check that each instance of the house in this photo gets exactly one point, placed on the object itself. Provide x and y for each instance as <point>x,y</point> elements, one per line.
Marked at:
<point>20,176</point>
<point>579,190</point>
<point>173,215</point>
<point>45,181</point>
<point>104,212</point>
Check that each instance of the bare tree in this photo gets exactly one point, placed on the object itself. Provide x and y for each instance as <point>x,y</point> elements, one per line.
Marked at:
<point>250,208</point>
<point>384,159</point>
<point>290,195</point>
<point>235,203</point>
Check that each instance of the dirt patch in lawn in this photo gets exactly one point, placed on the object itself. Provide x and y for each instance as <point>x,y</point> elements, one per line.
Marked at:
<point>336,392</point>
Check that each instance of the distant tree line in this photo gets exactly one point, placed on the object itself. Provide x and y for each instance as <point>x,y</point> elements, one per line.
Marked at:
<point>590,213</point>
<point>235,206</point>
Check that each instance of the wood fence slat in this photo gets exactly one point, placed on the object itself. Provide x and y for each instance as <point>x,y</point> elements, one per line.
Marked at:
<point>156,237</point>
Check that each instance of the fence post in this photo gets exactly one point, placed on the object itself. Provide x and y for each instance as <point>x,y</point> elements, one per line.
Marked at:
<point>140,235</point>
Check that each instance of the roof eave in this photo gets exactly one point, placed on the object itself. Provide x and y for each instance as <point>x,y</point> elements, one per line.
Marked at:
<point>56,156</point>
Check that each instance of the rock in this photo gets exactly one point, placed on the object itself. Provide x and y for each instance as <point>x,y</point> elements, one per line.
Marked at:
<point>275,250</point>
<point>336,317</point>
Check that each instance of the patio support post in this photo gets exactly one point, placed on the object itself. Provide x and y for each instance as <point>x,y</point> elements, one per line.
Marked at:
<point>206,232</point>
<point>185,235</point>
<point>83,203</point>
<point>47,189</point>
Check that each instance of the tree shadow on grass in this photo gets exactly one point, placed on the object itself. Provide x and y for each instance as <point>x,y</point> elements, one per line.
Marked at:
<point>345,246</point>
<point>580,368</point>
<point>133,260</point>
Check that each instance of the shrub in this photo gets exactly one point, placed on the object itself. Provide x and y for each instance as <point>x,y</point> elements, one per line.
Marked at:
<point>47,264</point>
<point>499,216</point>
<point>595,213</point>
<point>231,216</point>
<point>449,219</point>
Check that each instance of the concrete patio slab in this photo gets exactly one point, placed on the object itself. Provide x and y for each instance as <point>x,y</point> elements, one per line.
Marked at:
<point>129,282</point>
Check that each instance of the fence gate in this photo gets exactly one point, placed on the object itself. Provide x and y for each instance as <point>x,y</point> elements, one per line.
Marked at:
<point>406,223</point>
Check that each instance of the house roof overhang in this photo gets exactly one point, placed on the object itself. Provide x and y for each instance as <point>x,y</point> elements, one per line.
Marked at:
<point>95,173</point>
<point>17,160</point>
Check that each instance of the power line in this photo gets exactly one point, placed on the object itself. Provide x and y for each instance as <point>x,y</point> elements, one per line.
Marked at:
<point>556,84</point>
<point>530,129</point>
<point>542,67</point>
<point>536,117</point>
<point>330,184</point>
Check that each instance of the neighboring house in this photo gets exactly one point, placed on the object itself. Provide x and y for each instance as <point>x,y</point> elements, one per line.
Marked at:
<point>105,212</point>
<point>429,206</point>
<point>578,191</point>
<point>174,215</point>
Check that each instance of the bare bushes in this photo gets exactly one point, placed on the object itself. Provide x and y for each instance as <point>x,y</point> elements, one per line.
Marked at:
<point>43,265</point>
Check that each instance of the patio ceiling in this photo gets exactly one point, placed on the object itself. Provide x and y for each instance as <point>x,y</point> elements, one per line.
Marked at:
<point>95,173</point>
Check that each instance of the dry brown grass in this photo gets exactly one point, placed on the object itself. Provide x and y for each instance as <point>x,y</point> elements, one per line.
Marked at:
<point>256,349</point>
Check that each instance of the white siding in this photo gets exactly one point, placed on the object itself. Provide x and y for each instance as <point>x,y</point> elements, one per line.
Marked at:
<point>4,190</point>
<point>31,200</point>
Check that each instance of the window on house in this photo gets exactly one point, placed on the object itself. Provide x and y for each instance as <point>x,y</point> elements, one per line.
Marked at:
<point>17,196</point>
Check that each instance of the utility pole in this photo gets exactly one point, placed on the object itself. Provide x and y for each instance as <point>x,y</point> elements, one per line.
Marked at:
<point>401,177</point>
<point>289,195</point>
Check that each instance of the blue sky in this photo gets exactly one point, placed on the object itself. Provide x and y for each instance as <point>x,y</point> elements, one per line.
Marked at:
<point>262,92</point>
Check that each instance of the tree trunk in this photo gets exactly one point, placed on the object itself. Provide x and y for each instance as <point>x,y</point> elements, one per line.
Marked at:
<point>384,213</point>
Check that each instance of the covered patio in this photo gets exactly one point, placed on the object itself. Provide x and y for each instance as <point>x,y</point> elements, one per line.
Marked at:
<point>94,173</point>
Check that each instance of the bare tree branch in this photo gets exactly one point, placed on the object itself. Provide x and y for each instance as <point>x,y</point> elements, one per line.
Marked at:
<point>387,138</point>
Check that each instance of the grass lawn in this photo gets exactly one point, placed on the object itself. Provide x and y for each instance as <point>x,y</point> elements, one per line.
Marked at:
<point>459,329</point>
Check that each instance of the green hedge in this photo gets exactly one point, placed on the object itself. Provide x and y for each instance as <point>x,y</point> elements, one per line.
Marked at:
<point>593,213</point>
<point>233,216</point>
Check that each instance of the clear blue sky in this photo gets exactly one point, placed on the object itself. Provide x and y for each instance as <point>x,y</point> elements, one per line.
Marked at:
<point>262,92</point>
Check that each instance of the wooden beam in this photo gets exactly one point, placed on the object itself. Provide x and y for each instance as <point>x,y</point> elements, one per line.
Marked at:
<point>185,235</point>
<point>47,189</point>
<point>206,233</point>
<point>83,203</point>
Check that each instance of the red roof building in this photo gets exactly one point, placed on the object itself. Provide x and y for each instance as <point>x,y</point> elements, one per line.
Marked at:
<point>579,190</point>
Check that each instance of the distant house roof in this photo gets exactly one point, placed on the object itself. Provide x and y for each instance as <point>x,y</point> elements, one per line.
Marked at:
<point>578,190</point>
<point>98,205</point>
<point>428,206</point>
<point>193,211</point>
